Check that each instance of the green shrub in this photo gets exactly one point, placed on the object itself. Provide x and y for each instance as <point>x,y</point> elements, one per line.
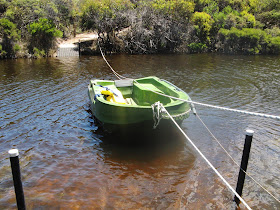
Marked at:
<point>2,52</point>
<point>38,53</point>
<point>270,18</point>
<point>239,20</point>
<point>104,15</point>
<point>211,8</point>
<point>249,19</point>
<point>197,47</point>
<point>43,33</point>
<point>10,34</point>
<point>248,40</point>
<point>274,45</point>
<point>202,24</point>
<point>175,8</point>
<point>16,48</point>
<point>219,21</point>
<point>275,31</point>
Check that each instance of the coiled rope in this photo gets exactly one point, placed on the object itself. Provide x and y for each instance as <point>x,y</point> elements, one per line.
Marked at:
<point>161,107</point>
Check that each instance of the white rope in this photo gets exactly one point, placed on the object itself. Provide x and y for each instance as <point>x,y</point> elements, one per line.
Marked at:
<point>202,104</point>
<point>213,106</point>
<point>188,101</point>
<point>238,111</point>
<point>157,116</point>
<point>207,161</point>
<point>234,160</point>
<point>115,73</point>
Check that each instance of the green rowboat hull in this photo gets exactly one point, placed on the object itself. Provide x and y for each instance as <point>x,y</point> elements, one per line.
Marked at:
<point>140,94</point>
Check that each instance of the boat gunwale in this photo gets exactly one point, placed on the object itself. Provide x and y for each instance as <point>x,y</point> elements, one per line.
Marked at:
<point>181,94</point>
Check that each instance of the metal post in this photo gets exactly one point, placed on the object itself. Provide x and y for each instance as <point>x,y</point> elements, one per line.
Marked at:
<point>79,47</point>
<point>244,164</point>
<point>17,178</point>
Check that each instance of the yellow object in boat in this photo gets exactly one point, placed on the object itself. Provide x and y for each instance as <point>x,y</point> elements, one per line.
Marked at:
<point>115,97</point>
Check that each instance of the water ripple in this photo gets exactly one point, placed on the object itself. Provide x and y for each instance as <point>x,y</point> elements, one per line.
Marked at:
<point>67,162</point>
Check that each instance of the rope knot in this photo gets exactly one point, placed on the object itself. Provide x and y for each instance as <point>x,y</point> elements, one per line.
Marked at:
<point>158,110</point>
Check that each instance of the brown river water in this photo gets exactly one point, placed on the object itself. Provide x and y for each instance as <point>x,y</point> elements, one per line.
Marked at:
<point>68,163</point>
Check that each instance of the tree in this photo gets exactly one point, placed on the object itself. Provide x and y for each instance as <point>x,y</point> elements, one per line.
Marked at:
<point>43,33</point>
<point>10,35</point>
<point>3,7</point>
<point>202,24</point>
<point>107,17</point>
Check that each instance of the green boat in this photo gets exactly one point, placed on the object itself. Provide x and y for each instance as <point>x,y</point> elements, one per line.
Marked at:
<point>128,102</point>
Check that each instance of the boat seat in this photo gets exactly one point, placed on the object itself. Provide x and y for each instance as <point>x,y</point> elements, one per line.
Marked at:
<point>130,101</point>
<point>144,95</point>
<point>124,83</point>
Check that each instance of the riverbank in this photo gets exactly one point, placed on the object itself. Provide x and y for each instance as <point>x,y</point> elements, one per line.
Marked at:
<point>156,26</point>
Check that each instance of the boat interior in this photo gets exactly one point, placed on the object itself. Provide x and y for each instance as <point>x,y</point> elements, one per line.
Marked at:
<point>141,91</point>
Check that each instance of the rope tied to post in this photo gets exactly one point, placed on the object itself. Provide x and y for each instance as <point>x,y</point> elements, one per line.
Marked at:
<point>163,110</point>
<point>158,115</point>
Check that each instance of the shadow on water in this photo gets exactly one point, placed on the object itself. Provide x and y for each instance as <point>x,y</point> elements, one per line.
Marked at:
<point>142,144</point>
<point>147,165</point>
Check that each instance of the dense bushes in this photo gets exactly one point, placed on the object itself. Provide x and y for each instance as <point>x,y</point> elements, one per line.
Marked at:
<point>142,26</point>
<point>10,35</point>
<point>45,30</point>
<point>248,40</point>
<point>106,17</point>
<point>152,30</point>
<point>23,13</point>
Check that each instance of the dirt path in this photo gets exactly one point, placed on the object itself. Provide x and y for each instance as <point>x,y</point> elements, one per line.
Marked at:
<point>72,41</point>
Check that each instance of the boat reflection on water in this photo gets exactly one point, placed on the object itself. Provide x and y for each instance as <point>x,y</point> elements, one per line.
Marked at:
<point>141,139</point>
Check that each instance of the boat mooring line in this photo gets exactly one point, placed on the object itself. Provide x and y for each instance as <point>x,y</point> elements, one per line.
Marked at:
<point>207,105</point>
<point>235,161</point>
<point>194,102</point>
<point>216,107</point>
<point>115,73</point>
<point>207,161</point>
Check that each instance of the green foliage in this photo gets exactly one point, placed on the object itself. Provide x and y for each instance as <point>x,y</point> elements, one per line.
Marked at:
<point>10,35</point>
<point>270,18</point>
<point>2,52</point>
<point>274,45</point>
<point>101,14</point>
<point>229,18</point>
<point>197,47</point>
<point>107,17</point>
<point>202,24</point>
<point>16,48</point>
<point>211,8</point>
<point>44,27</point>
<point>249,40</point>
<point>22,12</point>
<point>249,19</point>
<point>151,26</point>
<point>275,31</point>
<point>8,29</point>
<point>38,53</point>
<point>3,6</point>
<point>175,8</point>
<point>43,33</point>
